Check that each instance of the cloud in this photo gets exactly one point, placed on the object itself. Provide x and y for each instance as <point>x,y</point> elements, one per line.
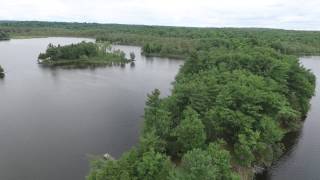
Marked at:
<point>288,14</point>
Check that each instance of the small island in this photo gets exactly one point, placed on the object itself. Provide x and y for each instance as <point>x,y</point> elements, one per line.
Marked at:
<point>4,36</point>
<point>1,72</point>
<point>84,54</point>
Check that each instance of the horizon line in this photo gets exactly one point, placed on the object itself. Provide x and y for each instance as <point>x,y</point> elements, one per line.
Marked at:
<point>159,25</point>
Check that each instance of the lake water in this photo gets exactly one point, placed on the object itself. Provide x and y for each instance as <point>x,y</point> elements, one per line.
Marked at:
<point>302,160</point>
<point>51,119</point>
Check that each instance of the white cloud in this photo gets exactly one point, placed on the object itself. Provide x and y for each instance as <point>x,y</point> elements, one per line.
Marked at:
<point>289,14</point>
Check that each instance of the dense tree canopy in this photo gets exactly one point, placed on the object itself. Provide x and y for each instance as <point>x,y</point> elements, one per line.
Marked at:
<point>71,52</point>
<point>190,132</point>
<point>84,53</point>
<point>206,164</point>
<point>248,99</point>
<point>176,42</point>
<point>237,86</point>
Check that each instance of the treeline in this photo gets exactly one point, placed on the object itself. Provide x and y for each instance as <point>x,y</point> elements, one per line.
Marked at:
<point>84,53</point>
<point>72,52</point>
<point>174,41</point>
<point>153,46</point>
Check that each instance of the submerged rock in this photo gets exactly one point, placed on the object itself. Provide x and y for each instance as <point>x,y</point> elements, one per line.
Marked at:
<point>1,72</point>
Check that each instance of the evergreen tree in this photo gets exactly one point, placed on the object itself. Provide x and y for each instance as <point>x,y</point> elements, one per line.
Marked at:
<point>190,132</point>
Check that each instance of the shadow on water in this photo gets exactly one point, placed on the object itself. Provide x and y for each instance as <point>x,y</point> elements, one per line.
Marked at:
<point>132,65</point>
<point>290,142</point>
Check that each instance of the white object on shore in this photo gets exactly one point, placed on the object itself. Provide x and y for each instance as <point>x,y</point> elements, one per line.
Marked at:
<point>108,157</point>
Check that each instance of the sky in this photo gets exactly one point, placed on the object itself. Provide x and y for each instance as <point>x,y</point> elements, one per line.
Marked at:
<point>284,14</point>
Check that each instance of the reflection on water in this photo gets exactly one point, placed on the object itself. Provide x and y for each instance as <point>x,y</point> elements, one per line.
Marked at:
<point>50,119</point>
<point>132,64</point>
<point>290,142</point>
<point>302,159</point>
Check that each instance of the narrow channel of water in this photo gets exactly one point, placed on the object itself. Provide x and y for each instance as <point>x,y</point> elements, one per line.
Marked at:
<point>302,160</point>
<point>51,119</point>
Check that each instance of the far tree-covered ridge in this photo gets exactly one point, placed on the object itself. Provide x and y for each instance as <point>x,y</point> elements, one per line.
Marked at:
<point>176,42</point>
<point>81,55</point>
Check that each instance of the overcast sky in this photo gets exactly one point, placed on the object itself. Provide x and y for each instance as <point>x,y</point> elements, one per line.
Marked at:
<point>286,14</point>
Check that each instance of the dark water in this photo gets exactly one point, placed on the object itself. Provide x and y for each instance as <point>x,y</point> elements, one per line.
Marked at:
<point>51,119</point>
<point>302,161</point>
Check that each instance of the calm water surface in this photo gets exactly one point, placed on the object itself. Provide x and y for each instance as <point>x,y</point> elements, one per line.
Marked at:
<point>51,119</point>
<point>302,161</point>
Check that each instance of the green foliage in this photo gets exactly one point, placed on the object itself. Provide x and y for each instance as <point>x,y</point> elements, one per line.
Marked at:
<point>301,84</point>
<point>149,165</point>
<point>210,164</point>
<point>71,52</point>
<point>150,141</point>
<point>84,53</point>
<point>153,166</point>
<point>190,132</point>
<point>178,42</point>
<point>156,116</point>
<point>244,97</point>
<point>115,169</point>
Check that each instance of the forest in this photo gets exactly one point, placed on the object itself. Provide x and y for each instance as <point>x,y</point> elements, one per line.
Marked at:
<point>81,55</point>
<point>228,113</point>
<point>173,41</point>
<point>238,94</point>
